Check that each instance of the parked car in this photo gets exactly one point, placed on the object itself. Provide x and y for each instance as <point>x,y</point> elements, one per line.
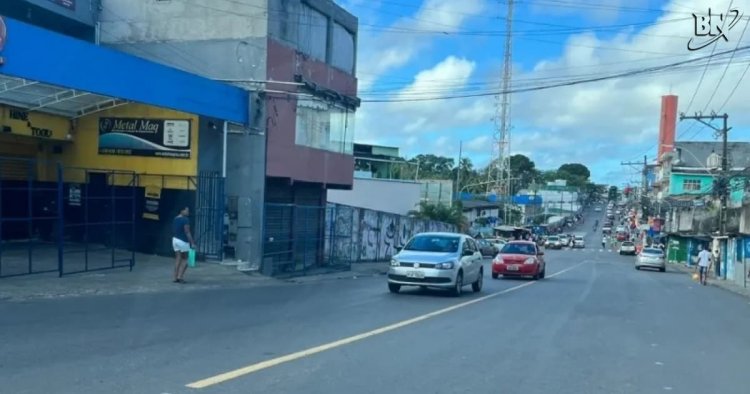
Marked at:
<point>564,240</point>
<point>579,242</point>
<point>622,236</point>
<point>444,260</point>
<point>598,209</point>
<point>519,258</point>
<point>487,248</point>
<point>553,242</point>
<point>606,230</point>
<point>652,258</point>
<point>627,247</point>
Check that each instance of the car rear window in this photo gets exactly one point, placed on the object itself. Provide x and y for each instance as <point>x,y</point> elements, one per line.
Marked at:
<point>553,238</point>
<point>651,251</point>
<point>519,249</point>
<point>433,243</point>
<point>627,243</point>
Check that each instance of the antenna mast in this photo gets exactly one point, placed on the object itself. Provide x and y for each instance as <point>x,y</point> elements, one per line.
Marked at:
<point>499,180</point>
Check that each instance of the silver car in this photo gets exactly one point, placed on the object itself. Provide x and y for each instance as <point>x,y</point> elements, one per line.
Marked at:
<point>651,257</point>
<point>444,260</point>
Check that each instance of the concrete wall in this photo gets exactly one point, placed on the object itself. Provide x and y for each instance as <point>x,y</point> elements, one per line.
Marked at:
<point>398,197</point>
<point>182,21</point>
<point>219,40</point>
<point>363,235</point>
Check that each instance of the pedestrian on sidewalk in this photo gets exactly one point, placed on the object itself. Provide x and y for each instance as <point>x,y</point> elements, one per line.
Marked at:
<point>182,242</point>
<point>704,264</point>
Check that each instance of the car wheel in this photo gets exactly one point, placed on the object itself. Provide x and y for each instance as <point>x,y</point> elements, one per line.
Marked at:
<point>494,275</point>
<point>637,267</point>
<point>477,285</point>
<point>459,286</point>
<point>544,273</point>
<point>662,269</point>
<point>394,287</point>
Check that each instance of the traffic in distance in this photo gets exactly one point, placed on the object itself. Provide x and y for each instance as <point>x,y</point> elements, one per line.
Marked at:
<point>453,261</point>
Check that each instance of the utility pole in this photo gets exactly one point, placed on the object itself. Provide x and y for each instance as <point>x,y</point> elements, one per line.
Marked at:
<point>644,178</point>
<point>723,181</point>
<point>458,170</point>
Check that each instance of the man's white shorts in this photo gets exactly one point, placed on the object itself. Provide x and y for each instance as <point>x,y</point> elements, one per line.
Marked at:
<point>180,246</point>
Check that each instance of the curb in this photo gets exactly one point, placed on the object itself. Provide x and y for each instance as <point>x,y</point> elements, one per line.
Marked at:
<point>714,282</point>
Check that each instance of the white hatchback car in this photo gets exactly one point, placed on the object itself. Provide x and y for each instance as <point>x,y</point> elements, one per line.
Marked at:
<point>652,258</point>
<point>444,260</point>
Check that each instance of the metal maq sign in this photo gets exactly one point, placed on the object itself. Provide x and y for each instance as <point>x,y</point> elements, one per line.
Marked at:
<point>144,137</point>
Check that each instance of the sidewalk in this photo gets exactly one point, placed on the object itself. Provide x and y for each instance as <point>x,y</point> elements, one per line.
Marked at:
<point>153,274</point>
<point>712,281</point>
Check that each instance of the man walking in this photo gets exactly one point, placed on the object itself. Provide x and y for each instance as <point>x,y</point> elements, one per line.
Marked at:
<point>182,242</point>
<point>704,263</point>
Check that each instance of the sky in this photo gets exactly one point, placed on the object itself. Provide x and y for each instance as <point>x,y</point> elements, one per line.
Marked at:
<point>413,54</point>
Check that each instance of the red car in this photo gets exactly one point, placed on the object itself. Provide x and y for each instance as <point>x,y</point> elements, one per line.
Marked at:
<point>519,258</point>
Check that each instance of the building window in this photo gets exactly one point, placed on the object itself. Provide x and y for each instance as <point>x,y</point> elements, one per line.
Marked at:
<point>322,125</point>
<point>342,51</point>
<point>691,185</point>
<point>312,33</point>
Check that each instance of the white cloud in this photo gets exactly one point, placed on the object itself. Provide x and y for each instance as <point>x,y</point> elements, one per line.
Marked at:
<point>478,144</point>
<point>396,46</point>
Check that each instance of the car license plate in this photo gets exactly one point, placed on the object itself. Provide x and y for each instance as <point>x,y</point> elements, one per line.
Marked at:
<point>512,268</point>
<point>415,274</point>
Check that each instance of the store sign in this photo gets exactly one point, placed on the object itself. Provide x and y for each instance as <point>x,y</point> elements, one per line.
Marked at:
<point>144,137</point>
<point>74,195</point>
<point>69,4</point>
<point>33,124</point>
<point>153,195</point>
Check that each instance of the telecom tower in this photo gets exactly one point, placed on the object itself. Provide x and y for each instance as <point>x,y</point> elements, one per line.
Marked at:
<point>499,180</point>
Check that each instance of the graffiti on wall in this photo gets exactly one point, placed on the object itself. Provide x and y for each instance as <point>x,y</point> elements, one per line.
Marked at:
<point>368,235</point>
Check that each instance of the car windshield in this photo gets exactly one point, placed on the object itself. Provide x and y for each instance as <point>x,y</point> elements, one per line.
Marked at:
<point>514,248</point>
<point>433,243</point>
<point>651,251</point>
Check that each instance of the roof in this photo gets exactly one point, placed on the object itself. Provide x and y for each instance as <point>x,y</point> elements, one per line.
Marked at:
<point>50,72</point>
<point>473,204</point>
<point>695,153</point>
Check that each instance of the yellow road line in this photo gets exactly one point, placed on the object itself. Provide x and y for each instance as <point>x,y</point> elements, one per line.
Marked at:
<point>223,377</point>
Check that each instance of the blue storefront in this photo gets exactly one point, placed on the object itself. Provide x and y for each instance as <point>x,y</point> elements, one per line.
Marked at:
<point>63,194</point>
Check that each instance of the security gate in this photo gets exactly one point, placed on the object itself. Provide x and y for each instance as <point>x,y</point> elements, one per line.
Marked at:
<point>64,220</point>
<point>209,215</point>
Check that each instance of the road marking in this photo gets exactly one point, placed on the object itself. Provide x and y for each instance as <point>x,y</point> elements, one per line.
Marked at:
<point>226,376</point>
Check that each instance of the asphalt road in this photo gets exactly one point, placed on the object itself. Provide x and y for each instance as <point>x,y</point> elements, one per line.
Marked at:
<point>595,325</point>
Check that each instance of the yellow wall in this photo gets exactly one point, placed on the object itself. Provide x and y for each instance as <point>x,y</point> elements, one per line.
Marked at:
<point>34,134</point>
<point>170,173</point>
<point>33,124</point>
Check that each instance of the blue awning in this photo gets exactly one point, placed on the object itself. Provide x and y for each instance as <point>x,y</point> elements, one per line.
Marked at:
<point>46,71</point>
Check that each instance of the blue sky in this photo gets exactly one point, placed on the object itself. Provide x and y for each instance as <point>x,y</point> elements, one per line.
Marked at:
<point>428,49</point>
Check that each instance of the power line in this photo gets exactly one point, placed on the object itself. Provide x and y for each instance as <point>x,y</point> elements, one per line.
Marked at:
<point>575,82</point>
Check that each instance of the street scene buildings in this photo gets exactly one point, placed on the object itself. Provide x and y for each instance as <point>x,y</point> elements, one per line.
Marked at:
<point>343,196</point>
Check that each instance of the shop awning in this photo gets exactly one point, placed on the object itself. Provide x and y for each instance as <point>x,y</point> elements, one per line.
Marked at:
<point>36,96</point>
<point>45,71</point>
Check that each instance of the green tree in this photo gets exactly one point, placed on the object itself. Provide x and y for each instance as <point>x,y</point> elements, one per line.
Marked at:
<point>434,167</point>
<point>576,169</point>
<point>525,169</point>
<point>442,213</point>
